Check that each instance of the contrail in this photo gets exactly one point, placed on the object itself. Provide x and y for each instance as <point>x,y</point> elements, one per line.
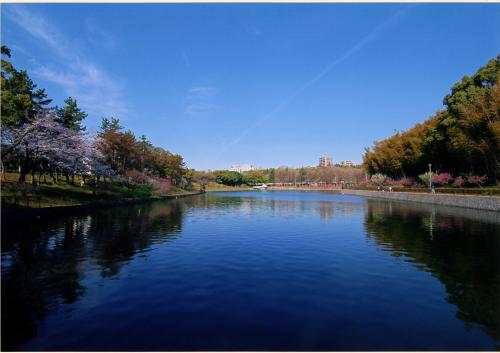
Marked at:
<point>374,33</point>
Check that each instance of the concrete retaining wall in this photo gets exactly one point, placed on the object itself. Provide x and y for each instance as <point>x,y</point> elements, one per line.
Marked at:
<point>491,203</point>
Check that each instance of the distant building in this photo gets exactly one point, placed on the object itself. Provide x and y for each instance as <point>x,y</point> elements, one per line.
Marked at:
<point>240,168</point>
<point>325,161</point>
<point>346,163</point>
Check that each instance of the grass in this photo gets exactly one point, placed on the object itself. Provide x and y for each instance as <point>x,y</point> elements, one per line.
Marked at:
<point>221,187</point>
<point>17,196</point>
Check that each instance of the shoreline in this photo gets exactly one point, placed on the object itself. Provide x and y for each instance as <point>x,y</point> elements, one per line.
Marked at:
<point>28,214</point>
<point>478,202</point>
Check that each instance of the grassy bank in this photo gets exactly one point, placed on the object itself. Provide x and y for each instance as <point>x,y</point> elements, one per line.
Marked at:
<point>17,196</point>
<point>220,187</point>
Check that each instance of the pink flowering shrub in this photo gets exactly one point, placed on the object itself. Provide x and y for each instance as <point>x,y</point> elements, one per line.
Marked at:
<point>390,182</point>
<point>406,182</point>
<point>442,178</point>
<point>459,181</point>
<point>476,179</point>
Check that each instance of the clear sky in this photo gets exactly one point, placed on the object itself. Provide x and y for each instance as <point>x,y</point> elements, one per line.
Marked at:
<point>266,84</point>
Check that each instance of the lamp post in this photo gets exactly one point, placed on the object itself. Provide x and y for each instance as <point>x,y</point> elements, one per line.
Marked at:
<point>430,176</point>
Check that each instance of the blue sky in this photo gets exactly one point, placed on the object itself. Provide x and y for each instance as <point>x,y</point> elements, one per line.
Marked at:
<point>266,84</point>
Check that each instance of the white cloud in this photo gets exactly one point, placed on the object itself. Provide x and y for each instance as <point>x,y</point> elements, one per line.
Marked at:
<point>95,90</point>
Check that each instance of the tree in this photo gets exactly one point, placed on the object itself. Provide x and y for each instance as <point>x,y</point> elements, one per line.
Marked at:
<point>21,101</point>
<point>253,177</point>
<point>463,138</point>
<point>45,144</point>
<point>71,116</point>
<point>108,125</point>
<point>227,177</point>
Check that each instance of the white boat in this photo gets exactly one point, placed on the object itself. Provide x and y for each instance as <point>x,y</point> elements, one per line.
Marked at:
<point>260,187</point>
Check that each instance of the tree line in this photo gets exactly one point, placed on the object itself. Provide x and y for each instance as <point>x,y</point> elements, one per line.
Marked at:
<point>281,175</point>
<point>463,139</point>
<point>38,139</point>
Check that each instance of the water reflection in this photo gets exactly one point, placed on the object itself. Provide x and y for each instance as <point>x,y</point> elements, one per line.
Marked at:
<point>53,264</point>
<point>325,205</point>
<point>44,263</point>
<point>452,244</point>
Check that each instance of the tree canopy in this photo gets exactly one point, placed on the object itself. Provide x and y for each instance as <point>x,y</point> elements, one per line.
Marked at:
<point>462,139</point>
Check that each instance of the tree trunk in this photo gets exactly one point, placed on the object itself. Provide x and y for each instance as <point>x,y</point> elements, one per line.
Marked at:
<point>72,179</point>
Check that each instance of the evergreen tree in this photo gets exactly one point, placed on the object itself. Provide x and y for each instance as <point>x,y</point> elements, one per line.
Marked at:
<point>21,101</point>
<point>71,116</point>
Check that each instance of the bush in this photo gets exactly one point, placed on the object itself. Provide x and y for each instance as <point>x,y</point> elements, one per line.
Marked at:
<point>389,182</point>
<point>365,182</point>
<point>459,181</point>
<point>442,178</point>
<point>407,182</point>
<point>476,180</point>
<point>378,179</point>
<point>425,177</point>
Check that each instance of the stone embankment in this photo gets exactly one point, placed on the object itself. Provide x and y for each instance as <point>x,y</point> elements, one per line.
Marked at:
<point>491,203</point>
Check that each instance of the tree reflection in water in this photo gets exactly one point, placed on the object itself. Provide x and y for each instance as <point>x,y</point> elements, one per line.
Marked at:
<point>48,264</point>
<point>459,247</point>
<point>46,261</point>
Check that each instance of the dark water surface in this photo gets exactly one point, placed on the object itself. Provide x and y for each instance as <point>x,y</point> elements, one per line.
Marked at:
<point>255,271</point>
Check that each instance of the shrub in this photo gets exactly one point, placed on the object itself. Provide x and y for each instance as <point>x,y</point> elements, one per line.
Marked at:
<point>425,178</point>
<point>365,182</point>
<point>407,182</point>
<point>476,180</point>
<point>378,179</point>
<point>459,181</point>
<point>389,182</point>
<point>442,178</point>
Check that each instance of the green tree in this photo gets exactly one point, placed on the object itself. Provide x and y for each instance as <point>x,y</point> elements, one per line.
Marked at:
<point>108,125</point>
<point>228,178</point>
<point>463,138</point>
<point>253,177</point>
<point>71,116</point>
<point>20,99</point>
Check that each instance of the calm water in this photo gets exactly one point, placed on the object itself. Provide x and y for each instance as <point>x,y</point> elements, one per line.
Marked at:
<point>255,271</point>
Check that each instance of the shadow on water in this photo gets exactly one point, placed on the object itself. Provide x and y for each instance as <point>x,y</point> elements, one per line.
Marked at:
<point>43,263</point>
<point>460,247</point>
